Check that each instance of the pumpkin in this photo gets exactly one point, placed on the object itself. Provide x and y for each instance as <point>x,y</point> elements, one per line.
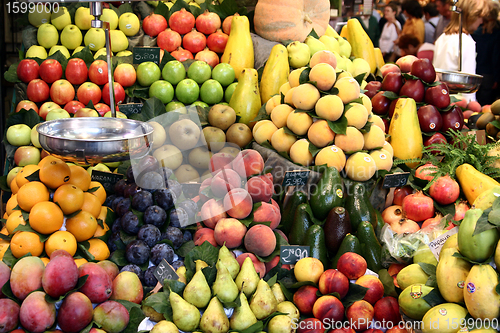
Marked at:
<point>281,20</point>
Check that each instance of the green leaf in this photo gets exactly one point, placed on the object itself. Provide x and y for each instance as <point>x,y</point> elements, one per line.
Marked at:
<point>458,255</point>
<point>279,241</point>
<point>81,281</point>
<point>128,305</point>
<point>313,149</point>
<point>162,10</point>
<point>210,273</point>
<point>288,294</point>
<point>206,252</point>
<point>202,115</point>
<point>185,249</point>
<point>497,289</point>
<point>34,177</point>
<point>11,74</point>
<point>83,248</point>
<point>8,258</point>
<point>388,282</point>
<point>88,327</point>
<point>434,298</point>
<point>262,115</point>
<point>60,58</point>
<point>313,34</point>
<point>226,8</point>
<point>7,292</point>
<point>118,257</point>
<point>495,123</point>
<point>482,223</point>
<point>272,280</point>
<point>136,316</point>
<point>152,108</point>
<point>360,78</point>
<point>304,75</point>
<point>355,293</point>
<point>86,55</point>
<point>496,204</point>
<point>125,8</point>
<point>257,327</point>
<point>3,184</point>
<point>28,117</point>
<point>428,269</point>
<point>334,91</point>
<point>175,285</point>
<point>390,95</point>
<point>494,217</point>
<point>126,238</point>
<point>297,285</point>
<point>272,315</point>
<point>339,126</point>
<point>431,281</point>
<point>367,127</point>
<point>445,210</point>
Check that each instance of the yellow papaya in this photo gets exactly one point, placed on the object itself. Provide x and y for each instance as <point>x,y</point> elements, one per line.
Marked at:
<point>473,182</point>
<point>246,97</point>
<point>331,32</point>
<point>239,48</point>
<point>345,32</point>
<point>379,58</point>
<point>485,199</point>
<point>275,72</point>
<point>362,46</point>
<point>480,296</point>
<point>451,273</point>
<point>411,300</point>
<point>406,136</point>
<point>444,318</point>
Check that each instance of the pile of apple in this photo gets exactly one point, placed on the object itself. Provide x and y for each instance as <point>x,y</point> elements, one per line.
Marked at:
<point>416,78</point>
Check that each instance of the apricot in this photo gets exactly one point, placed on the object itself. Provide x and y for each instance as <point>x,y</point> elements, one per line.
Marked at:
<point>320,134</point>
<point>285,87</point>
<point>360,167</point>
<point>280,114</point>
<point>351,141</point>
<point>332,156</point>
<point>282,141</point>
<point>377,121</point>
<point>329,107</point>
<point>374,138</point>
<point>324,75</point>
<point>382,158</point>
<point>261,240</point>
<point>356,115</point>
<point>272,102</point>
<point>288,96</point>
<point>305,96</point>
<point>300,154</point>
<point>349,89</point>
<point>294,77</point>
<point>323,57</point>
<point>264,132</point>
<point>299,122</point>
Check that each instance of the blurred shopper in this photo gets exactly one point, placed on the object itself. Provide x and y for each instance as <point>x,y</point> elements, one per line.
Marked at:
<point>431,20</point>
<point>444,9</point>
<point>399,16</point>
<point>390,32</point>
<point>414,24</point>
<point>410,45</point>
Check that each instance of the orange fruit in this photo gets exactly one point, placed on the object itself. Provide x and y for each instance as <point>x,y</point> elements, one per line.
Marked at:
<point>13,186</point>
<point>100,192</point>
<point>32,193</point>
<point>45,260</point>
<point>80,261</point>
<point>4,231</point>
<point>61,240</point>
<point>69,197</point>
<point>14,219</point>
<point>101,231</point>
<point>4,245</point>
<point>79,177</point>
<point>54,173</point>
<point>24,242</point>
<point>91,204</point>
<point>46,159</point>
<point>25,172</point>
<point>82,226</point>
<point>46,217</point>
<point>99,249</point>
<point>5,216</point>
<point>11,204</point>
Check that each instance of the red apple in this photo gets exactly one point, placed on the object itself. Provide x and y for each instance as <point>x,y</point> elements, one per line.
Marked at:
<point>25,155</point>
<point>27,70</point>
<point>380,103</point>
<point>405,63</point>
<point>125,75</point>
<point>50,70</point>
<point>102,108</point>
<point>372,88</point>
<point>154,24</point>
<point>119,93</point>
<point>413,89</point>
<point>38,90</point>
<point>392,82</point>
<point>73,106</point>
<point>26,104</point>
<point>46,108</point>
<point>89,92</point>
<point>76,71</point>
<point>434,139</point>
<point>62,92</point>
<point>389,68</point>
<point>438,96</point>
<point>98,72</point>
<point>424,70</point>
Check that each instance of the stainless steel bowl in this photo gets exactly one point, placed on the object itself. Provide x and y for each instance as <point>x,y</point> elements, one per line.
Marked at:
<point>459,82</point>
<point>94,140</point>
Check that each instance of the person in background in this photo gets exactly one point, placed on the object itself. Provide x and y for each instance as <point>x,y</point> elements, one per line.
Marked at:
<point>487,38</point>
<point>414,24</point>
<point>370,25</point>
<point>447,45</point>
<point>431,20</point>
<point>410,45</point>
<point>390,32</point>
<point>399,16</point>
<point>444,9</point>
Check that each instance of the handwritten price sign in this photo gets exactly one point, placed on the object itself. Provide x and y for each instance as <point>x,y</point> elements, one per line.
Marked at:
<point>165,271</point>
<point>290,254</point>
<point>143,54</point>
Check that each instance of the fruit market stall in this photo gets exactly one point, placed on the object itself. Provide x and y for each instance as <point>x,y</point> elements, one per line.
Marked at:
<point>287,179</point>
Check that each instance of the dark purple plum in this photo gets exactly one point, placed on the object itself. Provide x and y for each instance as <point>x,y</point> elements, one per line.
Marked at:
<point>165,198</point>
<point>150,234</point>
<point>137,252</point>
<point>119,187</point>
<point>130,223</point>
<point>123,206</point>
<point>154,215</point>
<point>174,235</point>
<point>142,200</point>
<point>149,277</point>
<point>178,218</point>
<point>162,251</point>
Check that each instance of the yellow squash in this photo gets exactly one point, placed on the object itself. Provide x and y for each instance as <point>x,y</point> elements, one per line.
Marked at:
<point>331,32</point>
<point>239,48</point>
<point>246,97</point>
<point>473,182</point>
<point>406,136</point>
<point>379,58</point>
<point>275,72</point>
<point>362,46</point>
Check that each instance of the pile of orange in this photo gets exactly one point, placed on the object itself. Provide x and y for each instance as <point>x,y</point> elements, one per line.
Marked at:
<point>61,203</point>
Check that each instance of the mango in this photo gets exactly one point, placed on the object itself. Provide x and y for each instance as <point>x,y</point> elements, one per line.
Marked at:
<point>75,313</point>
<point>4,276</point>
<point>411,300</point>
<point>26,276</point>
<point>60,276</point>
<point>480,296</point>
<point>128,287</point>
<point>411,274</point>
<point>444,318</point>
<point>451,273</point>
<point>424,255</point>
<point>36,314</point>
<point>480,246</point>
<point>9,315</point>
<point>98,285</point>
<point>111,316</point>
<point>451,243</point>
<point>485,199</point>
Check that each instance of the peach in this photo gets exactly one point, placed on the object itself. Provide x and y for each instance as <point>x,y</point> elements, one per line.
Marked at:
<point>26,276</point>
<point>360,315</point>
<point>282,141</point>
<point>390,68</point>
<point>248,162</point>
<point>110,267</point>
<point>324,75</point>
<point>462,102</point>
<point>275,204</point>
<point>280,114</point>
<point>394,268</point>
<point>111,316</point>
<point>397,330</point>
<point>474,106</point>
<point>261,240</point>
<point>36,314</point>
<point>224,181</point>
<point>320,134</point>
<point>387,310</point>
<point>332,281</point>
<point>75,312</point>
<point>299,122</point>
<point>467,114</point>
<point>204,234</point>
<point>267,213</point>
<point>60,276</point>
<point>405,63</point>
<point>343,330</point>
<point>204,184</point>
<point>260,267</point>
<point>4,275</point>
<point>328,307</point>
<point>273,263</point>
<point>352,265</point>
<point>323,57</point>
<point>230,232</point>
<point>304,298</point>
<point>9,315</point>
<point>486,108</point>
<point>211,212</point>
<point>260,187</point>
<point>349,89</point>
<point>238,203</point>
<point>310,325</point>
<point>220,161</point>
<point>375,288</point>
<point>127,286</point>
<point>98,285</point>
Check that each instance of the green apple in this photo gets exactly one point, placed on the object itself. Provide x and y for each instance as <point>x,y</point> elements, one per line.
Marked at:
<point>100,52</point>
<point>19,135</point>
<point>36,51</point>
<point>95,39</point>
<point>153,3</point>
<point>176,106</point>
<point>61,19</point>
<point>47,35</point>
<point>162,90</point>
<point>113,164</point>
<point>37,18</point>
<point>119,42</point>
<point>61,48</point>
<point>98,167</point>
<point>57,114</point>
<point>147,73</point>
<point>34,136</point>
<point>71,37</point>
<point>298,54</point>
<point>173,72</point>
<point>118,114</point>
<point>83,18</point>
<point>129,24</point>
<point>124,54</point>
<point>109,15</point>
<point>12,174</point>
<point>159,134</point>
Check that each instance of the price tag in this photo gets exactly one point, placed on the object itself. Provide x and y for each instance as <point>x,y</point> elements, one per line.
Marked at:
<point>290,254</point>
<point>165,271</point>
<point>296,178</point>
<point>143,54</point>
<point>395,180</point>
<point>438,243</point>
<point>107,179</point>
<point>130,108</point>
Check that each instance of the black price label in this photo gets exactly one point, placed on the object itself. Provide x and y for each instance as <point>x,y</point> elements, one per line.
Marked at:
<point>296,178</point>
<point>395,180</point>
<point>130,108</point>
<point>165,271</point>
<point>290,254</point>
<point>143,54</point>
<point>107,179</point>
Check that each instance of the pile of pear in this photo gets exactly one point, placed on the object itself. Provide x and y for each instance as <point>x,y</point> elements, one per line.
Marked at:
<point>200,307</point>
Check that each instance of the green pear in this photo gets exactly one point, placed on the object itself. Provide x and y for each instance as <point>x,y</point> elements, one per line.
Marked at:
<point>298,54</point>
<point>214,319</point>
<point>278,293</point>
<point>185,315</point>
<point>200,264</point>
<point>289,308</point>
<point>345,47</point>
<point>224,287</point>
<point>348,65</point>
<point>361,66</point>
<point>280,324</point>
<point>263,302</point>
<point>95,39</point>
<point>164,326</point>
<point>153,3</point>
<point>36,51</point>
<point>83,18</point>
<point>229,261</point>
<point>197,291</point>
<point>129,24</point>
<point>119,42</point>
<point>314,45</point>
<point>37,18</point>
<point>110,16</point>
<point>243,316</point>
<point>124,54</point>
<point>61,19</point>
<point>101,52</point>
<point>331,43</point>
<point>71,37</point>
<point>47,35</point>
<point>60,48</point>
<point>247,278</point>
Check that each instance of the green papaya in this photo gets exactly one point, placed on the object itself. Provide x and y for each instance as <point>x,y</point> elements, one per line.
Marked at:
<point>329,193</point>
<point>337,225</point>
<point>411,300</point>
<point>301,222</point>
<point>477,247</point>
<point>480,296</point>
<point>357,203</point>
<point>451,273</point>
<point>288,211</point>
<point>371,248</point>
<point>350,243</point>
<point>315,238</point>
